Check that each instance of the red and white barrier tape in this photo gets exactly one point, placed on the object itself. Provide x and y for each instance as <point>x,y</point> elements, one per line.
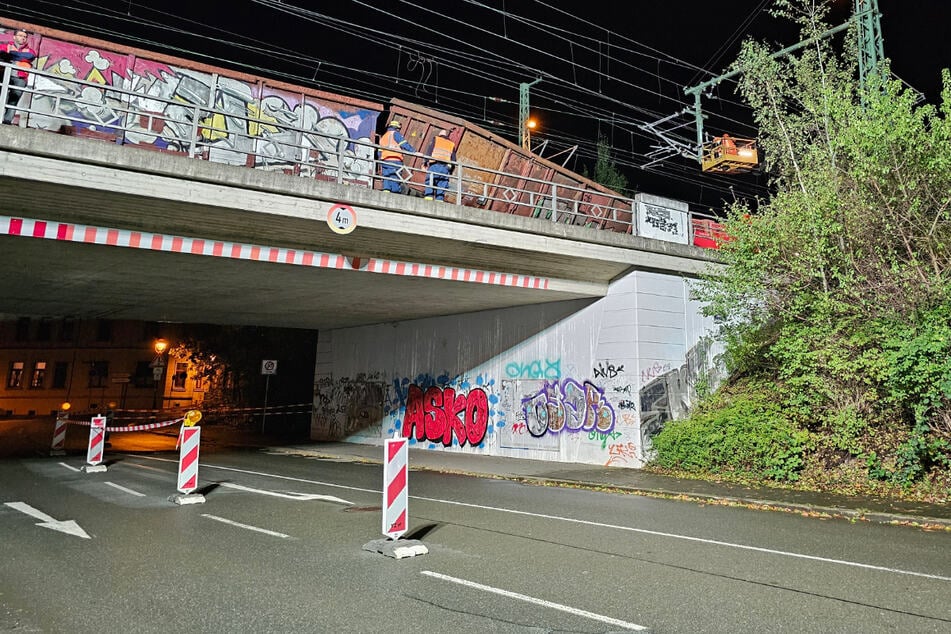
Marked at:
<point>130,428</point>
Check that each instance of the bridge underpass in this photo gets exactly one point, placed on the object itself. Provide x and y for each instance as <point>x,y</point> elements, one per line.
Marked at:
<point>127,233</point>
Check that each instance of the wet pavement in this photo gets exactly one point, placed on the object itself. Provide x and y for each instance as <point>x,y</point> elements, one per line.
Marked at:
<point>31,438</point>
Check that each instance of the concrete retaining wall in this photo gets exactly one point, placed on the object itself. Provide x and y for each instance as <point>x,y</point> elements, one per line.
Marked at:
<point>580,381</point>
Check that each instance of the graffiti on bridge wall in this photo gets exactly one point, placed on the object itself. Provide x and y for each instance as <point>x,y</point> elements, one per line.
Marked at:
<point>567,406</point>
<point>443,410</point>
<point>536,369</point>
<point>439,414</point>
<point>346,407</point>
<point>151,120</point>
<point>669,395</point>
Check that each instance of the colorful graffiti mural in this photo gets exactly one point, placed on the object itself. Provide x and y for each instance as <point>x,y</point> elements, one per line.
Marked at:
<point>567,405</point>
<point>238,122</point>
<point>443,409</point>
<point>439,414</point>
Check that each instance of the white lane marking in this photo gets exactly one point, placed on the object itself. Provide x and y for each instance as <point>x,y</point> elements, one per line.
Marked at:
<point>122,488</point>
<point>270,475</point>
<point>247,526</point>
<point>70,467</point>
<point>147,467</point>
<point>66,526</point>
<point>303,497</point>
<point>644,531</point>
<point>542,602</point>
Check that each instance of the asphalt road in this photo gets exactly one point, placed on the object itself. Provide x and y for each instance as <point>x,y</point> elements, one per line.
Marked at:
<point>267,553</point>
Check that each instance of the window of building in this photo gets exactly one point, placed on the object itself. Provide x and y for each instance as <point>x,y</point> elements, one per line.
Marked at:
<point>38,379</point>
<point>23,329</point>
<point>98,372</point>
<point>43,330</point>
<point>104,330</point>
<point>68,330</point>
<point>199,384</point>
<point>180,376</point>
<point>15,379</point>
<point>60,374</point>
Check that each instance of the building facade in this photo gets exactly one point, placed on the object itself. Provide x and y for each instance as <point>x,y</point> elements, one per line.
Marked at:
<point>94,365</point>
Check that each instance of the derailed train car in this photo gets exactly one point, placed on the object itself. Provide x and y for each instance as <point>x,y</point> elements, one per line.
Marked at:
<point>166,102</point>
<point>502,176</point>
<point>130,96</point>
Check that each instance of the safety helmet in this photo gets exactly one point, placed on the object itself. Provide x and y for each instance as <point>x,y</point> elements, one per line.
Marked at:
<point>443,133</point>
<point>394,124</point>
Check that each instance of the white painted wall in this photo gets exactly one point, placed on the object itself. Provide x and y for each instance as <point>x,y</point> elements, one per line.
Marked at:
<point>581,381</point>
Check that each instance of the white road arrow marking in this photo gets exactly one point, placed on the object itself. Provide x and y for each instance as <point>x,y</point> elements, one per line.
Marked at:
<point>303,497</point>
<point>68,526</point>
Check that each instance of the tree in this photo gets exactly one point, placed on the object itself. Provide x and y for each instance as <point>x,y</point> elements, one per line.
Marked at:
<point>229,359</point>
<point>605,171</point>
<point>837,298</point>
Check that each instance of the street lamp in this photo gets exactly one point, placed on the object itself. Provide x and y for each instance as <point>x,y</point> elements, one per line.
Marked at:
<point>158,368</point>
<point>529,126</point>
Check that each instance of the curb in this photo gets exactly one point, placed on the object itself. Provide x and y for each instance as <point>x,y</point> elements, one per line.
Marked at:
<point>855,515</point>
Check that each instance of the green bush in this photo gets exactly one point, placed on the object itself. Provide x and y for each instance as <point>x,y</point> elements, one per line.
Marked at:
<point>742,434</point>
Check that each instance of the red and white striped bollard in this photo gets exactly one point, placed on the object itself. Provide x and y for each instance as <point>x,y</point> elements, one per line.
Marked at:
<point>97,441</point>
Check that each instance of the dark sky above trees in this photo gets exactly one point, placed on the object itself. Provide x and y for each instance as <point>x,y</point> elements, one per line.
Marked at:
<point>606,68</point>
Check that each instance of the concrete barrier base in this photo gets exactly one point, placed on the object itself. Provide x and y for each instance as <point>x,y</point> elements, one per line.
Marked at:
<point>396,548</point>
<point>190,498</point>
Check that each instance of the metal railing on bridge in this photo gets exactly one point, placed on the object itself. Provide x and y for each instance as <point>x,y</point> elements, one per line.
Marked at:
<point>203,131</point>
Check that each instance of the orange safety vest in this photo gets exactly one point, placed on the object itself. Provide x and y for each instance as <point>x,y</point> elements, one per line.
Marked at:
<point>390,148</point>
<point>442,149</point>
<point>728,145</point>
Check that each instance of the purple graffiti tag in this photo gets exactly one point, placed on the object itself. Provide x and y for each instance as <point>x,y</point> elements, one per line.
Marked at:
<point>567,405</point>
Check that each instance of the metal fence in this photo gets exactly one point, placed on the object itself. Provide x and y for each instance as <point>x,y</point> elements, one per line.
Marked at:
<point>205,132</point>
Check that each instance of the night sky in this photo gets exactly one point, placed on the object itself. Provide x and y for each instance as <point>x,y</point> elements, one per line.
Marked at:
<point>606,67</point>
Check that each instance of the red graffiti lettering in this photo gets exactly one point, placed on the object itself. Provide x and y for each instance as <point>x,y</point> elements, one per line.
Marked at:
<point>621,453</point>
<point>440,414</point>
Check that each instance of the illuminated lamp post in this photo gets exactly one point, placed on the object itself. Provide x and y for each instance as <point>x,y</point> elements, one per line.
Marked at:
<point>529,126</point>
<point>158,368</point>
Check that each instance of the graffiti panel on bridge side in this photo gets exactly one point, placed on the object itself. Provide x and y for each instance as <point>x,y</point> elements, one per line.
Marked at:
<point>249,129</point>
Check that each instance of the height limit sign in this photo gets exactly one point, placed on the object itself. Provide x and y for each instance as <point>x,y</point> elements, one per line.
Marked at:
<point>269,367</point>
<point>342,219</point>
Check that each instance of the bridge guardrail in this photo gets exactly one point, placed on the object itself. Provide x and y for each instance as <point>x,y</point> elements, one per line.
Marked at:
<point>121,115</point>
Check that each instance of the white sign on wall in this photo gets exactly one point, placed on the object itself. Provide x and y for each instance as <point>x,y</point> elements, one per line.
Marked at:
<point>662,218</point>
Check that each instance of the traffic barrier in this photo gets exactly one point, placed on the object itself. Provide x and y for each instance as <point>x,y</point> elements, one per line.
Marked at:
<point>58,448</point>
<point>395,504</point>
<point>188,459</point>
<point>97,441</point>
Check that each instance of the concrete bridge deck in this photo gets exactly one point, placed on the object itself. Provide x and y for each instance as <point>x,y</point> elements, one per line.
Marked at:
<point>137,234</point>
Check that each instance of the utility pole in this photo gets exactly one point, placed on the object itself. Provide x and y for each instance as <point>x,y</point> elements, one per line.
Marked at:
<point>871,47</point>
<point>523,133</point>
